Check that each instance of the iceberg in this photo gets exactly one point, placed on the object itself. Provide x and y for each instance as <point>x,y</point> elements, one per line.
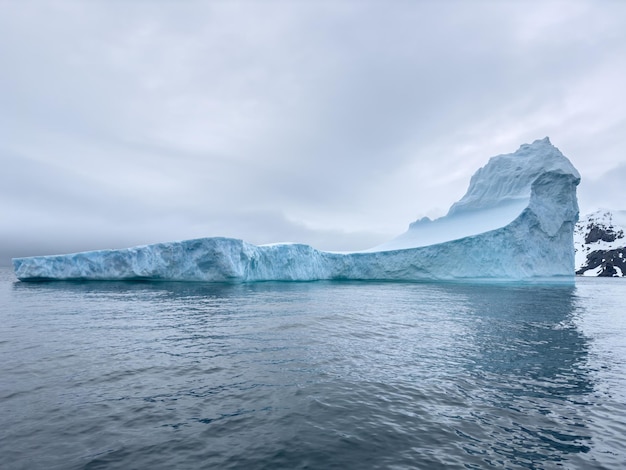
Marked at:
<point>515,223</point>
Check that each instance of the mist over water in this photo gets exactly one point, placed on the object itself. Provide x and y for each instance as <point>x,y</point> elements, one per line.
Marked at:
<point>312,375</point>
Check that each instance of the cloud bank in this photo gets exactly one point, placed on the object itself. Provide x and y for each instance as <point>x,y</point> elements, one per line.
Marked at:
<point>330,123</point>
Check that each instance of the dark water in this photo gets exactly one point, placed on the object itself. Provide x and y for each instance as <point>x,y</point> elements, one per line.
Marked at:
<point>312,375</point>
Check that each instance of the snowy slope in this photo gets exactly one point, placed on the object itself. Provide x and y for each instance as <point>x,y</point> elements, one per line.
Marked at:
<point>515,223</point>
<point>600,244</point>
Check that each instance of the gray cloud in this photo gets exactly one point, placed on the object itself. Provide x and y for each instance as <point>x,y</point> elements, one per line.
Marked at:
<point>604,191</point>
<point>331,123</point>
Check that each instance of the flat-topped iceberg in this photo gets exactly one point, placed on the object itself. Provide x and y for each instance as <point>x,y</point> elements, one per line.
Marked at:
<point>515,223</point>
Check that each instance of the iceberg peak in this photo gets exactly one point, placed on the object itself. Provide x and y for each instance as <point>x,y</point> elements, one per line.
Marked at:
<point>538,142</point>
<point>498,192</point>
<point>508,177</point>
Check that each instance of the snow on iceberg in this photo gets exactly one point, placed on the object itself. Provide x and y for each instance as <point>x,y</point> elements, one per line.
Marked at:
<point>515,223</point>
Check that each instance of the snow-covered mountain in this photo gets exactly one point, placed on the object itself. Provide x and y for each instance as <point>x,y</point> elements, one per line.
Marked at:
<point>600,244</point>
<point>515,223</point>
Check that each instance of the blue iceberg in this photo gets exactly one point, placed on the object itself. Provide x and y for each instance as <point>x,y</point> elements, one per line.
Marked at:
<point>515,223</point>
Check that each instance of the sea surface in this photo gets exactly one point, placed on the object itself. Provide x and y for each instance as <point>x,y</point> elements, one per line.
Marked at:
<point>315,375</point>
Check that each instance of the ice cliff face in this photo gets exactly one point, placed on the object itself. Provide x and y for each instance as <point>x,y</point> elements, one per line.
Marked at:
<point>515,223</point>
<point>600,244</point>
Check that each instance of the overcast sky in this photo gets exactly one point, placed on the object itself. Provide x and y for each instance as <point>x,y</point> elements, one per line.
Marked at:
<point>333,123</point>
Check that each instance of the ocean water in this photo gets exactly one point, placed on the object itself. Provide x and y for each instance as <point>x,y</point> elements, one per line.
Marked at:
<point>320,375</point>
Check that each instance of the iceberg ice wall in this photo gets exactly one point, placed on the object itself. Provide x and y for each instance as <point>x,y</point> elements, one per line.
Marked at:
<point>515,222</point>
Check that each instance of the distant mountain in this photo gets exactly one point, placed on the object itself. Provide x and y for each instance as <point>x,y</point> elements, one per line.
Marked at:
<point>600,244</point>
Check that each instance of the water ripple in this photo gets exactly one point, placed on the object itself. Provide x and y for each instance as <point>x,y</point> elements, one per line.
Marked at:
<point>312,375</point>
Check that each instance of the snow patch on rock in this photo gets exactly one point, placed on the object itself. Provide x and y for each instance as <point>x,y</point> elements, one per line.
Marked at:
<point>600,244</point>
